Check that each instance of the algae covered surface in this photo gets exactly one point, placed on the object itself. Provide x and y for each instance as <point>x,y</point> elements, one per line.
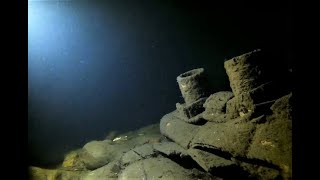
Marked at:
<point>243,134</point>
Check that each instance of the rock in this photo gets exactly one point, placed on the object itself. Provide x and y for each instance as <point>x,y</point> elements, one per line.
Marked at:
<point>177,130</point>
<point>171,149</point>
<point>193,85</point>
<point>36,173</point>
<point>231,137</point>
<point>129,158</point>
<point>109,171</point>
<point>145,150</point>
<point>73,161</point>
<point>149,134</point>
<point>215,106</point>
<point>97,149</point>
<point>159,168</point>
<point>218,166</point>
<point>138,153</point>
<point>208,161</point>
<point>99,153</point>
<point>96,154</point>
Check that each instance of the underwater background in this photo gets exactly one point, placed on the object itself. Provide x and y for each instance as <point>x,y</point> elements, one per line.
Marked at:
<point>97,67</point>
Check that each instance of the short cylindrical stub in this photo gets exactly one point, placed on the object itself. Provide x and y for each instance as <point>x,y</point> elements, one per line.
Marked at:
<point>245,72</point>
<point>193,85</point>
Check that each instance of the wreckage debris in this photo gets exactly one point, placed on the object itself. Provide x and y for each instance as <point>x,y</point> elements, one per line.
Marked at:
<point>244,133</point>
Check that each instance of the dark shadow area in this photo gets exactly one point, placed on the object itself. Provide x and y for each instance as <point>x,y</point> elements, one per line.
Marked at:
<point>185,161</point>
<point>231,173</point>
<point>228,156</point>
<point>200,122</point>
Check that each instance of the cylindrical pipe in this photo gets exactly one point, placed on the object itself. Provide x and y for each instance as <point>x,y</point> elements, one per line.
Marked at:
<point>245,72</point>
<point>193,85</point>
